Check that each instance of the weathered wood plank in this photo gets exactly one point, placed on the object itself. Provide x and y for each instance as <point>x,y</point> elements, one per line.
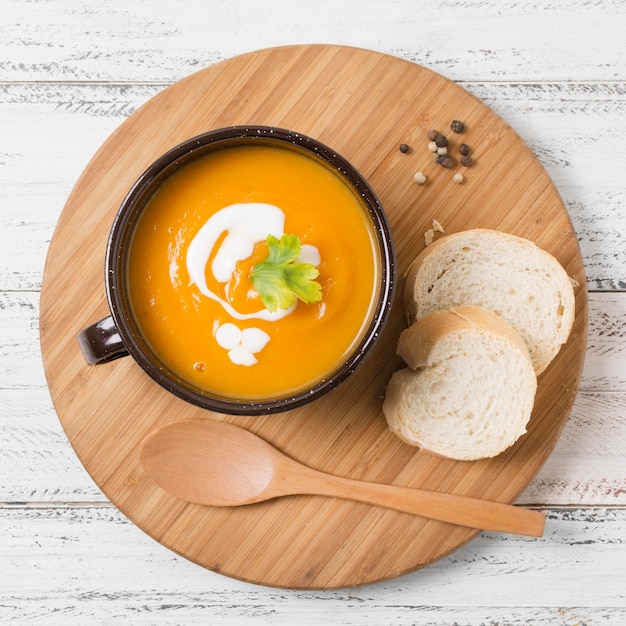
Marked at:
<point>574,128</point>
<point>76,565</point>
<point>554,69</point>
<point>20,356</point>
<point>588,464</point>
<point>20,361</point>
<point>606,345</point>
<point>70,40</point>
<point>37,463</point>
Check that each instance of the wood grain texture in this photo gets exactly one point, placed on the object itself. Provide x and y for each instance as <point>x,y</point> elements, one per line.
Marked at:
<point>21,366</point>
<point>72,71</point>
<point>38,464</point>
<point>316,90</point>
<point>167,41</point>
<point>121,578</point>
<point>571,127</point>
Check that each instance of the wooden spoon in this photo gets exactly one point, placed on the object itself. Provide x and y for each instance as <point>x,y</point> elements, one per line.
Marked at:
<point>219,464</point>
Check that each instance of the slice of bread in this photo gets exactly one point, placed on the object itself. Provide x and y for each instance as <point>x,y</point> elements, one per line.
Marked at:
<point>511,276</point>
<point>469,390</point>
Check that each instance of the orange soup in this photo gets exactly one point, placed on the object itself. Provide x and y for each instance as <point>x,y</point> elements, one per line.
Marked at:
<point>194,247</point>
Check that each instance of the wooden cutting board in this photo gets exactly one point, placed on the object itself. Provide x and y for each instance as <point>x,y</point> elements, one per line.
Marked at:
<point>364,104</point>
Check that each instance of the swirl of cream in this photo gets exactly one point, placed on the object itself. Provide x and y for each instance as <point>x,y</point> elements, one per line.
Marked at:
<point>245,225</point>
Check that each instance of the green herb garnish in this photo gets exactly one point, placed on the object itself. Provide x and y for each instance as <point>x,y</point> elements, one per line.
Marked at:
<point>279,280</point>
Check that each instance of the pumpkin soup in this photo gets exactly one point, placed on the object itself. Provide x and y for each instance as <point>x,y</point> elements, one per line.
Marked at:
<point>203,239</point>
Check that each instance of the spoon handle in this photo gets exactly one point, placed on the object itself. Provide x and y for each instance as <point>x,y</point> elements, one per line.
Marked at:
<point>445,507</point>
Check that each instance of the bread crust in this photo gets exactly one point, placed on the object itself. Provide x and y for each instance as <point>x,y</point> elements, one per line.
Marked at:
<point>416,343</point>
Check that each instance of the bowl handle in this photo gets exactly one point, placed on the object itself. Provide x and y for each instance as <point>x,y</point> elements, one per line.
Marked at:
<point>101,342</point>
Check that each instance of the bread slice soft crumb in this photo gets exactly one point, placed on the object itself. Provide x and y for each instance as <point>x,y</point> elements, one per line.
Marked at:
<point>437,227</point>
<point>511,276</point>
<point>469,390</point>
<point>429,235</point>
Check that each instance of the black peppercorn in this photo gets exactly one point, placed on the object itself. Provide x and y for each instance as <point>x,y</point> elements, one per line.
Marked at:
<point>457,126</point>
<point>433,134</point>
<point>441,140</point>
<point>404,147</point>
<point>464,149</point>
<point>445,160</point>
<point>466,161</point>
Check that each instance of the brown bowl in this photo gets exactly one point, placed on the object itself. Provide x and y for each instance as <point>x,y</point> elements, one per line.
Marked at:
<point>119,334</point>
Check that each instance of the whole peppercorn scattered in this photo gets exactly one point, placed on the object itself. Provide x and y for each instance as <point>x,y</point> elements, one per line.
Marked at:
<point>404,148</point>
<point>439,146</point>
<point>457,126</point>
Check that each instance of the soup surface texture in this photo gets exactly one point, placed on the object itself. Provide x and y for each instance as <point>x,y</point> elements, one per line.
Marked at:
<point>191,255</point>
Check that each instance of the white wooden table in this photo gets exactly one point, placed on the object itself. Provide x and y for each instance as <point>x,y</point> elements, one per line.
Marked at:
<point>72,70</point>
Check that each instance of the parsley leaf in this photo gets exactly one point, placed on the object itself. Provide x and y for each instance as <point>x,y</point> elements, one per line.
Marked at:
<point>280,281</point>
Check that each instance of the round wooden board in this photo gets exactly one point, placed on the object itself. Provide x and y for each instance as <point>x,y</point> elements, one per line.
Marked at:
<point>363,104</point>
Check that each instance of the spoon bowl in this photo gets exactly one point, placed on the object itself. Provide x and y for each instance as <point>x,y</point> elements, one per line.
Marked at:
<point>209,462</point>
<point>219,464</point>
